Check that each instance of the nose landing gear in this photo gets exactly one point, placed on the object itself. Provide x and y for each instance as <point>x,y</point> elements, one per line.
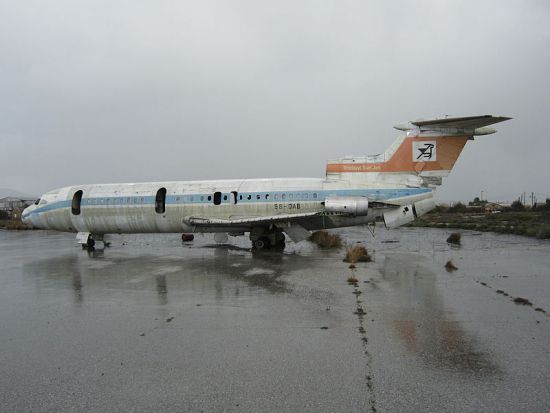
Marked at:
<point>90,241</point>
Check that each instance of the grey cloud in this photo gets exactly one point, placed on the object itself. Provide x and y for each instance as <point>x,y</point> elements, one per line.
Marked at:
<point>139,91</point>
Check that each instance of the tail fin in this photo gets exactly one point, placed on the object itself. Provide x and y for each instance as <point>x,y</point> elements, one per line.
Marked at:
<point>429,150</point>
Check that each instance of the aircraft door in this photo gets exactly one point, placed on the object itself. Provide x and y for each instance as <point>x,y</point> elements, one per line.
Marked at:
<point>77,213</point>
<point>162,221</point>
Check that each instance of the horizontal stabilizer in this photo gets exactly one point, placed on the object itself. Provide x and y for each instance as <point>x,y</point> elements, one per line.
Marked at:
<point>468,122</point>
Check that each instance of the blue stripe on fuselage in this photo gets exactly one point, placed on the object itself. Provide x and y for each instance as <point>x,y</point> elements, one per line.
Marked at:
<point>274,197</point>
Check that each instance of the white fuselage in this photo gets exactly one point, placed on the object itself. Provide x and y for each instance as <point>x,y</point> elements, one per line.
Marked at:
<point>136,207</point>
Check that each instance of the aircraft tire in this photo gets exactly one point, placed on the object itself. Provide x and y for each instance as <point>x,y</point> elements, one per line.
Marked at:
<point>261,243</point>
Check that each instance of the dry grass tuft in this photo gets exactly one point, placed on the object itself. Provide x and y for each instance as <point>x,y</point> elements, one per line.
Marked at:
<point>450,266</point>
<point>326,240</point>
<point>454,238</point>
<point>357,253</point>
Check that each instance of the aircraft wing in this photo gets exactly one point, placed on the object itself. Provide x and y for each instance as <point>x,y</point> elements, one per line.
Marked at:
<point>468,122</point>
<point>237,221</point>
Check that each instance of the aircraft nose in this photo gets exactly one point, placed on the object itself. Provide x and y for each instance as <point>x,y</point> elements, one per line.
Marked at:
<point>25,216</point>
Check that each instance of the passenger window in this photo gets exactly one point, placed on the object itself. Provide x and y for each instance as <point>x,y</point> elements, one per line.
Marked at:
<point>276,196</point>
<point>217,198</point>
<point>314,195</point>
<point>283,196</point>
<point>209,198</point>
<point>225,197</point>
<point>266,196</point>
<point>249,197</point>
<point>75,205</point>
<point>258,196</point>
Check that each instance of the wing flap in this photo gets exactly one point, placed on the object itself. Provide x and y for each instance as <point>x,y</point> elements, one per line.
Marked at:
<point>201,221</point>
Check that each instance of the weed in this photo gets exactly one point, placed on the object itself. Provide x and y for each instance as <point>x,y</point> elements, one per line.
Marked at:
<point>450,266</point>
<point>357,253</point>
<point>454,238</point>
<point>326,240</point>
<point>544,232</point>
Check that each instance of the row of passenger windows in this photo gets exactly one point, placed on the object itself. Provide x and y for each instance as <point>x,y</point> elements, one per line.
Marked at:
<point>250,197</point>
<point>160,199</point>
<point>194,198</point>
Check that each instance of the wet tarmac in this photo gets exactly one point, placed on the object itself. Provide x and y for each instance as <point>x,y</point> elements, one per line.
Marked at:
<point>153,325</point>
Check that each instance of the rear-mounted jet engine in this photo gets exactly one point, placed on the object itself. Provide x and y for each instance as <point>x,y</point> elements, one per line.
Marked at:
<point>352,205</point>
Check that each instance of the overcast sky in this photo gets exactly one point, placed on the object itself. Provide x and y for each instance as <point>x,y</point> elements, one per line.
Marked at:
<point>128,91</point>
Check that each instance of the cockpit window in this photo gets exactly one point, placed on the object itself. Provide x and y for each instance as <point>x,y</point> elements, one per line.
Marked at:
<point>37,201</point>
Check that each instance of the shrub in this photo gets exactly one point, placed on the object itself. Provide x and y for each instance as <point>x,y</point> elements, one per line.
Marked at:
<point>544,232</point>
<point>357,253</point>
<point>458,207</point>
<point>517,206</point>
<point>454,238</point>
<point>326,240</point>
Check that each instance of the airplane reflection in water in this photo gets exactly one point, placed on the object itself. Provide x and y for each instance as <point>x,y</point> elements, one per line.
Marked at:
<point>421,320</point>
<point>169,276</point>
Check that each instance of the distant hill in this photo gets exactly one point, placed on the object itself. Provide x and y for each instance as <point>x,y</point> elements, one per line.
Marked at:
<point>5,192</point>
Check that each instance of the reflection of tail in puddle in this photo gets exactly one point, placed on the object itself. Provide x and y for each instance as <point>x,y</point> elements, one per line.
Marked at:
<point>421,321</point>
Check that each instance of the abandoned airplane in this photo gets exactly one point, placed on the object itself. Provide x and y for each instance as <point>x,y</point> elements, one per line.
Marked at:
<point>393,187</point>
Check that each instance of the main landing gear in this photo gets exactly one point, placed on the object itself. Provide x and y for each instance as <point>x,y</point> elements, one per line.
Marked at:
<point>267,238</point>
